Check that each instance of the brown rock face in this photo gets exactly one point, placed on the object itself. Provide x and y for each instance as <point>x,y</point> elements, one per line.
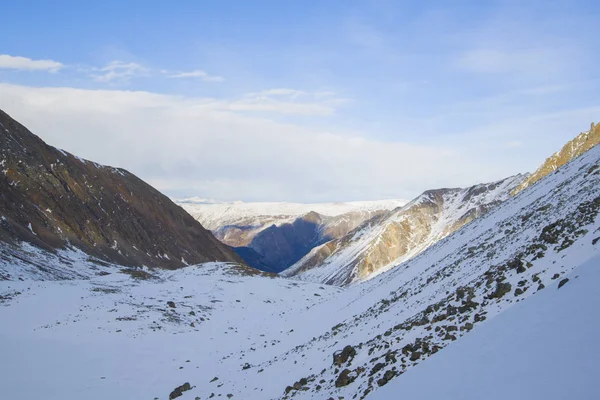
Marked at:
<point>50,198</point>
<point>573,149</point>
<point>390,239</point>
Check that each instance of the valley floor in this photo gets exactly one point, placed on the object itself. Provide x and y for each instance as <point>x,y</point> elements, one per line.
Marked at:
<point>117,337</point>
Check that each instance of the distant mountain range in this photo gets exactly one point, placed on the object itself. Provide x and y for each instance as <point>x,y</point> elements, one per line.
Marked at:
<point>273,236</point>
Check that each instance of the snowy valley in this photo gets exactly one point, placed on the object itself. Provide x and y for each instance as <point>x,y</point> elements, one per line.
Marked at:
<point>458,308</point>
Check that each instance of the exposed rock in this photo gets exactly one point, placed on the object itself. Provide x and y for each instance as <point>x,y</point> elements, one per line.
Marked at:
<point>341,357</point>
<point>179,390</point>
<point>345,378</point>
<point>562,282</point>
<point>388,376</point>
<point>376,368</point>
<point>501,290</point>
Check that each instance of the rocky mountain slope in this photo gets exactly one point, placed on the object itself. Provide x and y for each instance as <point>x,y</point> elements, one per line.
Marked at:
<point>573,149</point>
<point>213,331</point>
<point>538,350</point>
<point>54,200</point>
<point>273,236</point>
<point>392,238</point>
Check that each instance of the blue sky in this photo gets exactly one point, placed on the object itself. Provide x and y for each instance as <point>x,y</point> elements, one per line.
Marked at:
<point>304,100</point>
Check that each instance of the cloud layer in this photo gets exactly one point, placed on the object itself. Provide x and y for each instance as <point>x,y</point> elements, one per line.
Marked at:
<point>188,146</point>
<point>118,71</point>
<point>198,73</point>
<point>24,63</point>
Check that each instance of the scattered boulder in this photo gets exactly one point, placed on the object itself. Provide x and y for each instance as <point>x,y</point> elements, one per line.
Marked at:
<point>501,289</point>
<point>345,355</point>
<point>376,368</point>
<point>179,390</point>
<point>171,304</point>
<point>388,376</point>
<point>345,378</point>
<point>562,283</point>
<point>467,327</point>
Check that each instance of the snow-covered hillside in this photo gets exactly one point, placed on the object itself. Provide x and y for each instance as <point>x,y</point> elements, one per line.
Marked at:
<point>541,349</point>
<point>231,333</point>
<point>138,335</point>
<point>381,243</point>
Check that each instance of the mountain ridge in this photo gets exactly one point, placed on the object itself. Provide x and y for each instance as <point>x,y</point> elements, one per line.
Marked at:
<point>571,150</point>
<point>54,200</point>
<point>400,234</point>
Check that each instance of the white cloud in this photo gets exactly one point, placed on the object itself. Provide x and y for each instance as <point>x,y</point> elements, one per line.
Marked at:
<point>118,71</point>
<point>23,63</point>
<point>496,61</point>
<point>190,146</point>
<point>280,92</point>
<point>288,101</point>
<point>198,74</point>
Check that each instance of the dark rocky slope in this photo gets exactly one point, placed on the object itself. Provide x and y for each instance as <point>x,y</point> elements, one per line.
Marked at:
<point>53,199</point>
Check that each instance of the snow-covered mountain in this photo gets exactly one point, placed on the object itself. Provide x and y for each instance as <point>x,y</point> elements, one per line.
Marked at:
<point>273,236</point>
<point>56,201</point>
<point>220,330</point>
<point>380,243</point>
<point>214,215</point>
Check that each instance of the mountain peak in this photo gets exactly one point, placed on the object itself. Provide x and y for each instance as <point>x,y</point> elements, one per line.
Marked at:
<point>573,149</point>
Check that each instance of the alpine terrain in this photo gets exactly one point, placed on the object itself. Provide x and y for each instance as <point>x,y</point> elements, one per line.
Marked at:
<point>380,243</point>
<point>473,293</point>
<point>273,236</point>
